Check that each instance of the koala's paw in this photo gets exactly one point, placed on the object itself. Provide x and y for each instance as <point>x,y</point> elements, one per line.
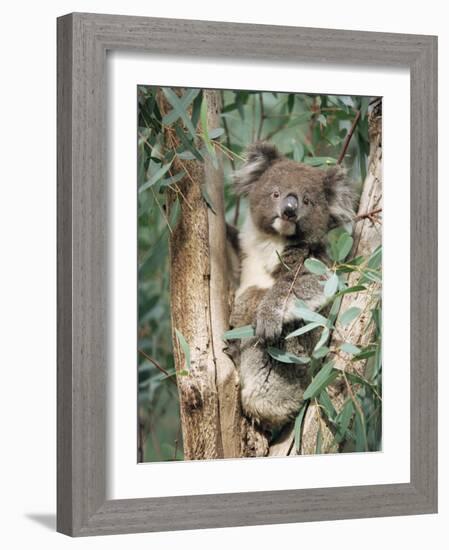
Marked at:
<point>268,327</point>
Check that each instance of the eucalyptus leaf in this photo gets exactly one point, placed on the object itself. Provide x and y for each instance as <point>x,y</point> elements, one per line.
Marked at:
<point>184,102</point>
<point>309,315</point>
<point>155,177</point>
<point>180,110</point>
<point>321,352</point>
<point>286,357</point>
<point>246,331</point>
<point>349,315</point>
<point>208,200</point>
<point>325,376</point>
<point>303,330</point>
<point>315,266</point>
<point>344,246</point>
<point>349,348</point>
<point>323,339</point>
<point>331,286</point>
<point>298,426</point>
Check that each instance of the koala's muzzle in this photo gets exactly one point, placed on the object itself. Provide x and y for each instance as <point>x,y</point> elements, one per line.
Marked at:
<point>289,207</point>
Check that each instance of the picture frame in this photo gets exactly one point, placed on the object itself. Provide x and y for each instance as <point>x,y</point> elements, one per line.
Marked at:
<point>83,40</point>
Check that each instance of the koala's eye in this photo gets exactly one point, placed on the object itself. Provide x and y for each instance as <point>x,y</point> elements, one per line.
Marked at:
<point>275,194</point>
<point>305,200</point>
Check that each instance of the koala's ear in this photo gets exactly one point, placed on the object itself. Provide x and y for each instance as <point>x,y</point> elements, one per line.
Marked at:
<point>259,157</point>
<point>339,195</point>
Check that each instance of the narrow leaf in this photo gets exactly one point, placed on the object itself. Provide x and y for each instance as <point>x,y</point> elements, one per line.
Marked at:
<point>349,315</point>
<point>298,426</point>
<point>324,377</point>
<point>323,339</point>
<point>240,332</point>
<point>344,245</point>
<point>349,348</point>
<point>215,133</point>
<point>309,315</point>
<point>286,357</point>
<point>188,143</point>
<point>326,403</point>
<point>331,286</point>
<point>180,110</point>
<point>155,177</point>
<point>207,198</point>
<point>303,330</point>
<point>321,352</point>
<point>184,102</point>
<point>343,419</point>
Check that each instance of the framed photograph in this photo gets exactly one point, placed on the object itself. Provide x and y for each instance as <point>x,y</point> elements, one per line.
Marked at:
<point>247,274</point>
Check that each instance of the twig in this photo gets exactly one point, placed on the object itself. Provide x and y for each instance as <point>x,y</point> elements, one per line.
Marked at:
<point>156,364</point>
<point>372,215</point>
<point>348,138</point>
<point>291,286</point>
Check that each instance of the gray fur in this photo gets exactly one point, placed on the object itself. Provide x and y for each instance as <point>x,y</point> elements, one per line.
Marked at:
<point>271,392</point>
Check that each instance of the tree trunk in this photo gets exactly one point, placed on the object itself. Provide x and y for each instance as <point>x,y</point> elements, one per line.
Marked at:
<point>212,424</point>
<point>367,236</point>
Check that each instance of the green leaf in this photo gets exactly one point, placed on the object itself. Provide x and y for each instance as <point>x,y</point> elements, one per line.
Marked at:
<point>319,161</point>
<point>173,179</point>
<point>360,433</point>
<point>206,138</point>
<point>180,110</point>
<point>349,348</point>
<point>184,103</point>
<point>240,332</point>
<point>349,315</point>
<point>196,109</point>
<point>186,155</point>
<point>309,315</point>
<point>206,197</point>
<point>321,352</point>
<point>188,143</point>
<point>331,286</point>
<point>356,288</point>
<point>322,120</point>
<point>344,245</point>
<point>298,426</point>
<point>303,330</point>
<point>325,376</point>
<point>155,177</point>
<point>326,403</point>
<point>365,354</point>
<point>185,347</point>
<point>286,357</point>
<point>364,106</point>
<point>343,419</point>
<point>375,260</point>
<point>215,133</point>
<point>323,339</point>
<point>315,266</point>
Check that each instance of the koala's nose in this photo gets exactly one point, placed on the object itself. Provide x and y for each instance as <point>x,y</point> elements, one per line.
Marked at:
<point>289,207</point>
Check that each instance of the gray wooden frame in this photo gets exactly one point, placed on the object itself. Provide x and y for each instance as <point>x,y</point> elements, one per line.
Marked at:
<point>83,40</point>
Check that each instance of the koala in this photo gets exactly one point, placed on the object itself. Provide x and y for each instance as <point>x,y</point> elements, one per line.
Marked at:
<point>291,208</point>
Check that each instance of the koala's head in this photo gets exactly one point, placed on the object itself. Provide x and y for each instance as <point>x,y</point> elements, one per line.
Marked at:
<point>293,199</point>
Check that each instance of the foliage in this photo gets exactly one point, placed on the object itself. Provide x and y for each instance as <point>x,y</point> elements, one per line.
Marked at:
<point>307,128</point>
